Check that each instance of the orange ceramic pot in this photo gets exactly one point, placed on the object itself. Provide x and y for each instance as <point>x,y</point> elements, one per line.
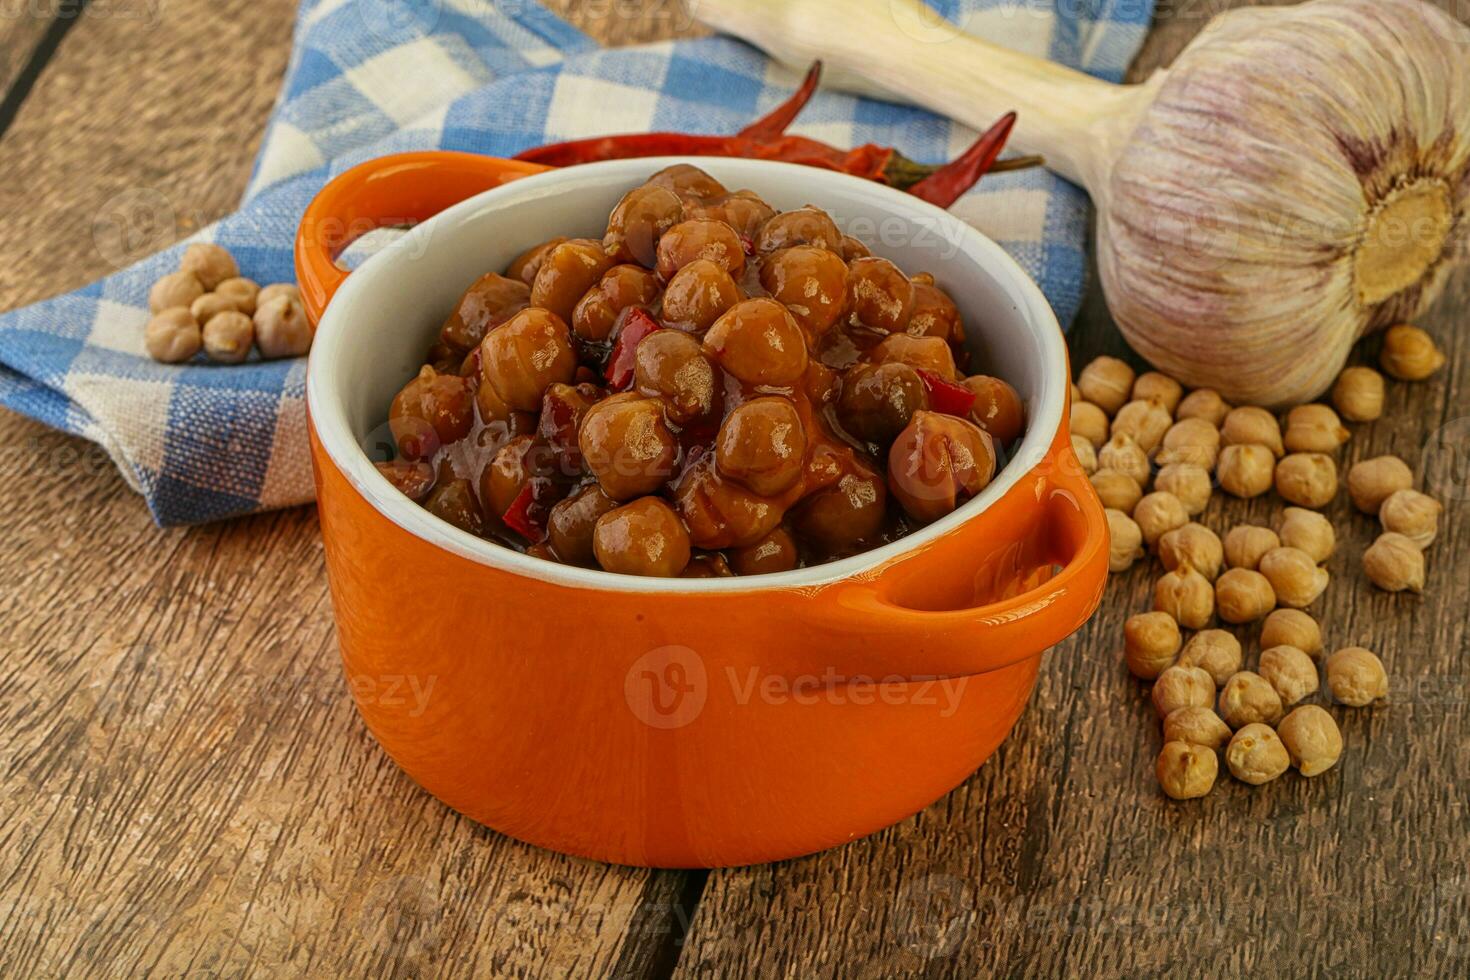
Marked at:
<point>678,723</point>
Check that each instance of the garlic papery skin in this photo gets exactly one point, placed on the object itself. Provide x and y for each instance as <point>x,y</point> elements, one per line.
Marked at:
<point>1304,177</point>
<point>1299,177</point>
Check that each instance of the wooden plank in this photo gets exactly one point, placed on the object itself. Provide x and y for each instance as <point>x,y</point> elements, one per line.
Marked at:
<point>1060,857</point>
<point>619,22</point>
<point>22,28</point>
<point>151,121</point>
<point>184,784</point>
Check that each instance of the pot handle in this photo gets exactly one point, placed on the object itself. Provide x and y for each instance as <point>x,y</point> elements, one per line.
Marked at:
<point>401,189</point>
<point>1072,533</point>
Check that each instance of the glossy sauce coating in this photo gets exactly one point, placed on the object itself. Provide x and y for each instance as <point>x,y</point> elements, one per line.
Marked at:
<point>712,388</point>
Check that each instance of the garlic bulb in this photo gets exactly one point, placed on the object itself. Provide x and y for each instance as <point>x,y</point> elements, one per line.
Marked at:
<point>1300,176</point>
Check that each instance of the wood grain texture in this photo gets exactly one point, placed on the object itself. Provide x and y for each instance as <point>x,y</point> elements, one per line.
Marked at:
<point>185,787</point>
<point>188,788</point>
<point>148,123</point>
<point>22,26</point>
<point>619,22</point>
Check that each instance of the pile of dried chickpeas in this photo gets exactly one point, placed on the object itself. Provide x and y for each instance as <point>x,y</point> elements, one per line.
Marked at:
<point>208,305</point>
<point>1156,456</point>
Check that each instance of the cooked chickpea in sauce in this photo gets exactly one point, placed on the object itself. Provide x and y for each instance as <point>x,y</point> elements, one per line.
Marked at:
<point>713,388</point>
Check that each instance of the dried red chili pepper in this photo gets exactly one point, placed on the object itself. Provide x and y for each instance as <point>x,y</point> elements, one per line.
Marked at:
<point>766,139</point>
<point>947,396</point>
<point>945,186</point>
<point>774,123</point>
<point>518,518</point>
<point>636,325</point>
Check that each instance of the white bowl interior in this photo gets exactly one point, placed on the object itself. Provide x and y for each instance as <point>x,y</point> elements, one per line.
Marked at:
<point>373,336</point>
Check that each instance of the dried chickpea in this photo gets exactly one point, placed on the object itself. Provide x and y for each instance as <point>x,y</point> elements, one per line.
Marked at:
<point>1294,576</point>
<point>1245,470</point>
<point>1314,429</point>
<point>1106,383</point>
<point>174,289</point>
<point>211,264</point>
<point>1089,422</point>
<point>1216,652</point>
<point>1086,454</point>
<point>1312,739</point>
<point>1145,422</point>
<point>1308,531</point>
<point>1203,403</point>
<point>242,292</point>
<point>1247,698</point>
<point>172,335</point>
<point>1372,481</point>
<point>1358,394</point>
<point>1246,543</point>
<point>1413,514</point>
<point>1196,726</point>
<point>1255,755</point>
<point>1394,563</point>
<point>1307,479</point>
<point>1182,687</point>
<point>228,337</point>
<point>1118,491</point>
<point>1150,644</point>
<point>1193,543</point>
<point>276,290</point>
<point>1159,513</point>
<point>1186,595</point>
<point>1158,387</point>
<point>1409,353</point>
<point>1121,453</point>
<point>1126,541</point>
<point>1191,440</point>
<point>1251,426</point>
<point>210,305</point>
<point>1076,394</point>
<point>1356,677</point>
<point>1292,628</point>
<point>1290,671</point>
<point>1185,771</point>
<point>1190,483</point>
<point>1243,596</point>
<point>281,327</point>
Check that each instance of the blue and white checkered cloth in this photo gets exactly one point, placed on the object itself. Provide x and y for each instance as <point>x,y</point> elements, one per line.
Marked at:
<point>370,77</point>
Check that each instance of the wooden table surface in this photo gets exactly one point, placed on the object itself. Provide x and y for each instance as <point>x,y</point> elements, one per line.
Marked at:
<point>186,789</point>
